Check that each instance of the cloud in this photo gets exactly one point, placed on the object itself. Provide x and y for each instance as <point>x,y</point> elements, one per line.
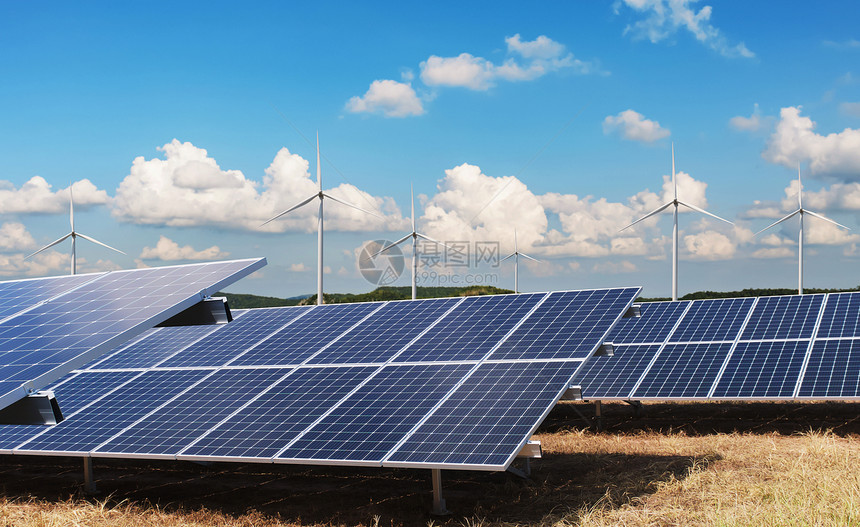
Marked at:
<point>298,268</point>
<point>836,155</point>
<point>775,252</point>
<point>35,196</point>
<point>188,188</point>
<point>754,123</point>
<point>388,97</point>
<point>527,60</point>
<point>664,18</point>
<point>851,43</point>
<point>634,127</point>
<point>614,267</point>
<point>43,264</point>
<point>14,237</point>
<point>168,250</point>
<point>710,245</point>
<point>850,108</point>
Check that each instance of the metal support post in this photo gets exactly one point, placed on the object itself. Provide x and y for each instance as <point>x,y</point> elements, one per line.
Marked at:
<point>598,416</point>
<point>89,480</point>
<point>637,407</point>
<point>438,502</point>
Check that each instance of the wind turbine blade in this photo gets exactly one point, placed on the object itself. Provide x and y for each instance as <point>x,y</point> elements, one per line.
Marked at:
<point>398,242</point>
<point>820,217</point>
<point>703,211</point>
<point>356,207</point>
<point>508,256</point>
<point>45,248</point>
<point>524,255</point>
<point>645,217</point>
<point>429,239</point>
<point>84,236</point>
<point>291,209</point>
<point>777,222</point>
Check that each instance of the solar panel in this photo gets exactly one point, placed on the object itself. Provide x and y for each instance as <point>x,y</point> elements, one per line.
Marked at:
<point>840,317</point>
<point>833,370</point>
<point>49,339</point>
<point>17,295</point>
<point>615,377</point>
<point>766,370</point>
<point>652,327</point>
<point>713,320</point>
<point>488,419</point>
<point>356,400</point>
<point>783,317</point>
<point>683,371</point>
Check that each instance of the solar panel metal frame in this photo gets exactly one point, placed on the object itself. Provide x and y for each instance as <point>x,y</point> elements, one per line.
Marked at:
<point>22,449</point>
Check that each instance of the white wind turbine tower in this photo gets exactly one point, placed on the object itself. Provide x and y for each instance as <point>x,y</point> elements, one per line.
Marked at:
<point>73,235</point>
<point>320,195</point>
<point>414,235</point>
<point>516,255</point>
<point>800,212</point>
<point>675,202</point>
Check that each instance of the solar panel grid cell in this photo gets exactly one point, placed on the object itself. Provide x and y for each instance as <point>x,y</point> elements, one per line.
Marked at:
<point>833,370</point>
<point>272,420</point>
<point>841,316</point>
<point>652,327</point>
<point>683,371</point>
<point>368,423</point>
<point>713,320</point>
<point>614,377</point>
<point>762,370</point>
<point>488,418</point>
<point>783,317</point>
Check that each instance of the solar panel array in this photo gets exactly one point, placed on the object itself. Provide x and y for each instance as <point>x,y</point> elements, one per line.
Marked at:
<point>445,383</point>
<point>50,326</point>
<point>785,347</point>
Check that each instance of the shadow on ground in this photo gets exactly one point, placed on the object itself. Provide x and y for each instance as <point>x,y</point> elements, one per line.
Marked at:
<point>705,418</point>
<point>560,484</point>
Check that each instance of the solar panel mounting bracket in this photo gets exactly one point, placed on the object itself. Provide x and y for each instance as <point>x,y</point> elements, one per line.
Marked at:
<point>209,311</point>
<point>607,349</point>
<point>634,311</point>
<point>38,408</point>
<point>574,393</point>
<point>531,450</point>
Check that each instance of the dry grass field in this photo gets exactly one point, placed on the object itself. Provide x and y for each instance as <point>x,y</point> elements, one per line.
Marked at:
<point>677,464</point>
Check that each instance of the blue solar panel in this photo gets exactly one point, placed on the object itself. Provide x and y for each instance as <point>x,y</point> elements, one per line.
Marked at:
<point>614,377</point>
<point>41,344</point>
<point>154,346</point>
<point>840,318</point>
<point>385,332</point>
<point>833,370</point>
<point>783,317</point>
<point>367,424</point>
<point>488,418</point>
<point>235,337</point>
<point>683,371</point>
<point>98,422</point>
<point>713,320</point>
<point>271,421</point>
<point>568,325</point>
<point>179,422</point>
<point>762,370</point>
<point>657,320</point>
<point>472,329</point>
<point>306,336</point>
<point>18,295</point>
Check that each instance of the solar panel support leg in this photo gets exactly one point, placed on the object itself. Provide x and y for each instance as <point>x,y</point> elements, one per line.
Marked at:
<point>598,416</point>
<point>89,480</point>
<point>438,502</point>
<point>637,407</point>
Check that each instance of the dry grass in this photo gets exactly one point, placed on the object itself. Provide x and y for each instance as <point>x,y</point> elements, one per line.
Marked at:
<point>699,464</point>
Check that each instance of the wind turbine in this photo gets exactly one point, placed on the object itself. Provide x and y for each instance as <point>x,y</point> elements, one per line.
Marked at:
<point>320,195</point>
<point>516,255</point>
<point>675,202</point>
<point>800,211</point>
<point>414,235</point>
<point>73,235</point>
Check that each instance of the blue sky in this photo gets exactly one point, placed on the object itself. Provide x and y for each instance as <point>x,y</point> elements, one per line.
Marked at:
<point>183,126</point>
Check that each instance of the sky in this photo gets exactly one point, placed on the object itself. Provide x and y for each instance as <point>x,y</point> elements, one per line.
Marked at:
<point>181,127</point>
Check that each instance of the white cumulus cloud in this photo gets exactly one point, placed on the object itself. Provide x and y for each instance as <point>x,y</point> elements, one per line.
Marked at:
<point>14,237</point>
<point>168,250</point>
<point>664,18</point>
<point>188,188</point>
<point>834,155</point>
<point>754,123</point>
<point>633,126</point>
<point>388,97</point>
<point>36,196</point>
